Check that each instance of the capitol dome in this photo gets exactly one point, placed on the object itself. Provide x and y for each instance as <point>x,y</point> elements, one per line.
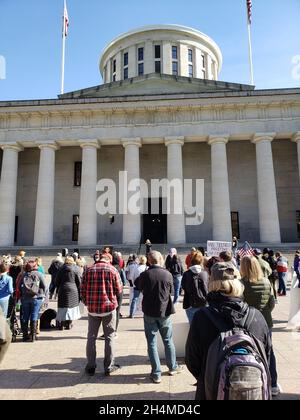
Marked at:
<point>164,49</point>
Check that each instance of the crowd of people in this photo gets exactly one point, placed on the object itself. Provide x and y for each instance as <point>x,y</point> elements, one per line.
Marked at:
<point>218,293</point>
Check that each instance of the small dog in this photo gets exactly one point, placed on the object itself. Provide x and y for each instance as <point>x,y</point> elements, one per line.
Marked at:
<point>46,319</point>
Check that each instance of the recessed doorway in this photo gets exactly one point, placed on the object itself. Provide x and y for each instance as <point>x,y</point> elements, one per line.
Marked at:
<point>155,223</point>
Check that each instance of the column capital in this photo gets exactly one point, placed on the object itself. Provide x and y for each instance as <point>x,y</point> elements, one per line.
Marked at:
<point>48,145</point>
<point>135,141</point>
<point>296,137</point>
<point>174,140</point>
<point>259,137</point>
<point>89,143</point>
<point>222,138</point>
<point>12,146</point>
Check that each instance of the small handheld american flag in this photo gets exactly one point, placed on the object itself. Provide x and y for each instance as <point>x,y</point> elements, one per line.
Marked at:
<point>246,250</point>
<point>249,8</point>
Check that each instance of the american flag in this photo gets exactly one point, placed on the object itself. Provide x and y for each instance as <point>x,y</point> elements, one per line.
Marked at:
<point>249,9</point>
<point>65,21</point>
<point>246,250</point>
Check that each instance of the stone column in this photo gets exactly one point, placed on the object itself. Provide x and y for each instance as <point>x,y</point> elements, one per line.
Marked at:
<point>296,139</point>
<point>43,229</point>
<point>267,197</point>
<point>131,222</point>
<point>87,235</point>
<point>176,222</point>
<point>8,193</point>
<point>221,215</point>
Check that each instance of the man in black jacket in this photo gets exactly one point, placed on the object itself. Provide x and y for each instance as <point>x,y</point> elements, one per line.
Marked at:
<point>157,287</point>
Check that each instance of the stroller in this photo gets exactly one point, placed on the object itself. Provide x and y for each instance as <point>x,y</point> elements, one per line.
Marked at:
<point>13,320</point>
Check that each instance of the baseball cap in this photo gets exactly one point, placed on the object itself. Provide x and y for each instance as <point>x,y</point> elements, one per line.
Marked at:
<point>222,272</point>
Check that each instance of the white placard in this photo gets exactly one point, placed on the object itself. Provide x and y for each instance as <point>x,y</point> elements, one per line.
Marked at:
<point>214,248</point>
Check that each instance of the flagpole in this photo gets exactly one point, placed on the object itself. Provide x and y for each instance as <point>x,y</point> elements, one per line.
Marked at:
<point>250,49</point>
<point>63,52</point>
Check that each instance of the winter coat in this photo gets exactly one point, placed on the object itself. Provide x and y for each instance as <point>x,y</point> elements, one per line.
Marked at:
<point>174,265</point>
<point>6,286</point>
<point>203,332</point>
<point>68,285</point>
<point>260,296</point>
<point>195,286</point>
<point>22,290</point>
<point>55,266</point>
<point>157,287</point>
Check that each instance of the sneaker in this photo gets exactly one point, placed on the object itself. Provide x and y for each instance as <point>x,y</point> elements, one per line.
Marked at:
<point>155,380</point>
<point>179,369</point>
<point>276,390</point>
<point>102,337</point>
<point>90,371</point>
<point>112,370</point>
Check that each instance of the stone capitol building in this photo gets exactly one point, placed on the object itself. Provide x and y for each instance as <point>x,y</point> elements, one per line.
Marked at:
<point>160,113</point>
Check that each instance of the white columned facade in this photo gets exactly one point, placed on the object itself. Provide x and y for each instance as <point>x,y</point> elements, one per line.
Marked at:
<point>267,197</point>
<point>296,139</point>
<point>131,222</point>
<point>176,222</point>
<point>43,228</point>
<point>8,193</point>
<point>87,235</point>
<point>221,213</point>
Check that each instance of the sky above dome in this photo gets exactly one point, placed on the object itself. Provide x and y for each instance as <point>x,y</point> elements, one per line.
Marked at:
<point>31,37</point>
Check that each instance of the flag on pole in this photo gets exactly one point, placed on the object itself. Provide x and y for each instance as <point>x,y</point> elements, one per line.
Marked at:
<point>65,21</point>
<point>249,9</point>
<point>246,250</point>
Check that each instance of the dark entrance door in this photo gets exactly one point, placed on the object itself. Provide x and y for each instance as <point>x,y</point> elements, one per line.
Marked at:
<point>155,224</point>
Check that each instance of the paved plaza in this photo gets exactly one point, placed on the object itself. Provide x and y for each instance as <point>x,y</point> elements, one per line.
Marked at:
<point>53,367</point>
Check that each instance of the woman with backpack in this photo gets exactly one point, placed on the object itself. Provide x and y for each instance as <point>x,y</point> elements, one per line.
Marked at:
<point>174,266</point>
<point>259,294</point>
<point>32,289</point>
<point>210,325</point>
<point>6,287</point>
<point>194,283</point>
<point>68,281</point>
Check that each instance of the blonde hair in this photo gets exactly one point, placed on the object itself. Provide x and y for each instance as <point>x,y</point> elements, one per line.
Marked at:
<point>143,259</point>
<point>69,260</point>
<point>251,270</point>
<point>231,288</point>
<point>38,260</point>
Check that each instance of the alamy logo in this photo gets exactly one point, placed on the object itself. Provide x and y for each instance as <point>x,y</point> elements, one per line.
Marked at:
<point>2,68</point>
<point>179,197</point>
<point>296,67</point>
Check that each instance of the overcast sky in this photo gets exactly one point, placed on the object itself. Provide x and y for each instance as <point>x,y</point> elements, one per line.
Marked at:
<point>30,39</point>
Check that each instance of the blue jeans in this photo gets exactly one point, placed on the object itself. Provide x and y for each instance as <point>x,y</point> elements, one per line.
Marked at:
<point>190,313</point>
<point>282,282</point>
<point>31,309</point>
<point>4,305</point>
<point>272,366</point>
<point>177,284</point>
<point>164,326</point>
<point>134,302</point>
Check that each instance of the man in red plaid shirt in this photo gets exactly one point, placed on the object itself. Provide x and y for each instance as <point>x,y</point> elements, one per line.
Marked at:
<point>101,285</point>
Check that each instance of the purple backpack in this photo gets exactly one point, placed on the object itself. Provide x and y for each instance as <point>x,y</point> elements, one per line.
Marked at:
<point>236,366</point>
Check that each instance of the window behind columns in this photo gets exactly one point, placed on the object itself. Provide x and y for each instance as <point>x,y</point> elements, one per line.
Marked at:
<point>16,229</point>
<point>298,222</point>
<point>77,174</point>
<point>75,228</point>
<point>235,224</point>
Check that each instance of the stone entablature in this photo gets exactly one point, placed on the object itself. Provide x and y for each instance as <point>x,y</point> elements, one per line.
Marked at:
<point>68,121</point>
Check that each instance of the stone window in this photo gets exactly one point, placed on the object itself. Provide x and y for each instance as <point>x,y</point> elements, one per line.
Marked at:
<point>141,69</point>
<point>125,73</point>
<point>77,174</point>
<point>203,74</point>
<point>175,68</point>
<point>75,227</point>
<point>174,53</point>
<point>235,224</point>
<point>191,70</point>
<point>141,54</point>
<point>126,59</point>
<point>190,55</point>
<point>114,70</point>
<point>157,67</point>
<point>157,51</point>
